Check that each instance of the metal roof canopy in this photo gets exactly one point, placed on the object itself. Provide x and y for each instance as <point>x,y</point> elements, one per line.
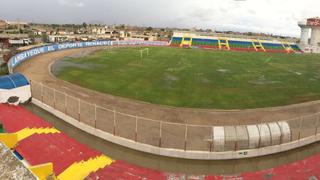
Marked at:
<point>13,81</point>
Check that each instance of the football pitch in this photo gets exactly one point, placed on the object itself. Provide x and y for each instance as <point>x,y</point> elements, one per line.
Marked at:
<point>197,78</point>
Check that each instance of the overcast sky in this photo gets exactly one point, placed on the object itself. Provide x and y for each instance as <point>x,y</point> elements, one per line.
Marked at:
<point>270,16</point>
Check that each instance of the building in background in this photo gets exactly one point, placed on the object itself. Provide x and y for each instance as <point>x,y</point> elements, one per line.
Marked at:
<point>4,49</point>
<point>3,25</point>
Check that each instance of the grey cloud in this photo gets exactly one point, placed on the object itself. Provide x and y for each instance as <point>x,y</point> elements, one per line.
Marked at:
<point>263,15</point>
<point>71,3</point>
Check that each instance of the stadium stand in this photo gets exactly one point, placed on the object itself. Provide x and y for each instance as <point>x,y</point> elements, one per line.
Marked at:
<point>15,119</point>
<point>59,149</point>
<point>296,48</point>
<point>123,170</point>
<point>241,45</point>
<point>271,47</point>
<point>72,160</point>
<point>26,132</point>
<point>39,143</point>
<point>233,44</point>
<point>205,43</point>
<point>176,41</point>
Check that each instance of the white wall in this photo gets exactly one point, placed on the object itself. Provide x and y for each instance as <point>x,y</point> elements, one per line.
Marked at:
<point>24,94</point>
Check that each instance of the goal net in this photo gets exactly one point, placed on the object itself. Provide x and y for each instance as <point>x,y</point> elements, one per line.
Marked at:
<point>144,52</point>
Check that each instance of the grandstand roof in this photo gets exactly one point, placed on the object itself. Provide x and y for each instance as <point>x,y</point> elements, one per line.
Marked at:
<point>13,81</point>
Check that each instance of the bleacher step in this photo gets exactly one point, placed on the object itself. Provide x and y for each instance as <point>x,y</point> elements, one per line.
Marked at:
<point>81,170</point>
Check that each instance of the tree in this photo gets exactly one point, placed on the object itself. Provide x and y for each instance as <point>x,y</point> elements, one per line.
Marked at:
<point>149,29</point>
<point>85,25</point>
<point>3,69</point>
<point>44,37</point>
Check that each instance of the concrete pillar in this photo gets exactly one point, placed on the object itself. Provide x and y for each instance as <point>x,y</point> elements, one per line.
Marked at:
<point>315,36</point>
<point>304,40</point>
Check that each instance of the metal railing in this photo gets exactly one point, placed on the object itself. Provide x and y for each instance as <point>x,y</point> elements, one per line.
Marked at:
<point>174,135</point>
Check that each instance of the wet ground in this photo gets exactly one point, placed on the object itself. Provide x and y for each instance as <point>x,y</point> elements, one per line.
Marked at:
<point>228,167</point>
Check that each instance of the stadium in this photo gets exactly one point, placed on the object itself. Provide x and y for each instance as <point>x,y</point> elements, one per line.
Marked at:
<point>195,97</point>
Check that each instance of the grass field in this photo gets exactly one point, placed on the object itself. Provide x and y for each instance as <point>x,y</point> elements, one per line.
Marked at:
<point>198,78</point>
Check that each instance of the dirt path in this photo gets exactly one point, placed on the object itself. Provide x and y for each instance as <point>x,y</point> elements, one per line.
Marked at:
<point>37,69</point>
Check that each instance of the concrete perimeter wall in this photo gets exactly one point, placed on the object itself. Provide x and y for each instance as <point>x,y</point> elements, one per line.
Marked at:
<point>25,55</point>
<point>176,153</point>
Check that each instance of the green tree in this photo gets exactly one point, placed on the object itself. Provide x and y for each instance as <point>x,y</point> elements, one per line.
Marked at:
<point>149,29</point>
<point>85,25</point>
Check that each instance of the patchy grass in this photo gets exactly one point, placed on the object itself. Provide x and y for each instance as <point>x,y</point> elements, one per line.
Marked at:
<point>198,78</point>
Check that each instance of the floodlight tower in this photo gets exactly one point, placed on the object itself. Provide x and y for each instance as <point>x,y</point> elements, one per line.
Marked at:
<point>305,32</point>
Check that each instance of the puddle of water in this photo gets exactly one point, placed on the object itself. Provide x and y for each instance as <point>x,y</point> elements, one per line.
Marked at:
<point>58,66</point>
<point>189,167</point>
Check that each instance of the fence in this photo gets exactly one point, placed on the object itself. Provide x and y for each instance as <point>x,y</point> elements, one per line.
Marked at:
<point>174,135</point>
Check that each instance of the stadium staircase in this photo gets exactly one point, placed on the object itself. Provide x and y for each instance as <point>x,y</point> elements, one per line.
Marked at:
<point>257,45</point>
<point>123,170</point>
<point>59,149</point>
<point>224,43</point>
<point>186,42</point>
<point>24,133</point>
<point>15,119</point>
<point>287,47</point>
<point>81,170</point>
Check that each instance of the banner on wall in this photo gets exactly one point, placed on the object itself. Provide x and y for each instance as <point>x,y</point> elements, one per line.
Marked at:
<point>23,56</point>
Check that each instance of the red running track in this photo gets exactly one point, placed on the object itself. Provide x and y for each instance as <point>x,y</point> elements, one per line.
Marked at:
<point>63,151</point>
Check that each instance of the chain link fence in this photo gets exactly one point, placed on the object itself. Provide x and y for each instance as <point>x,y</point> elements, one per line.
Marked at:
<point>174,135</point>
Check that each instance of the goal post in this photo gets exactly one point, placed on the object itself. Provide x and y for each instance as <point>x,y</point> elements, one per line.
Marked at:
<point>144,52</point>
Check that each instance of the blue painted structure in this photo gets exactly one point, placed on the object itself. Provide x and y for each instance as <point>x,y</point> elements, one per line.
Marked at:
<point>23,56</point>
<point>13,81</point>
